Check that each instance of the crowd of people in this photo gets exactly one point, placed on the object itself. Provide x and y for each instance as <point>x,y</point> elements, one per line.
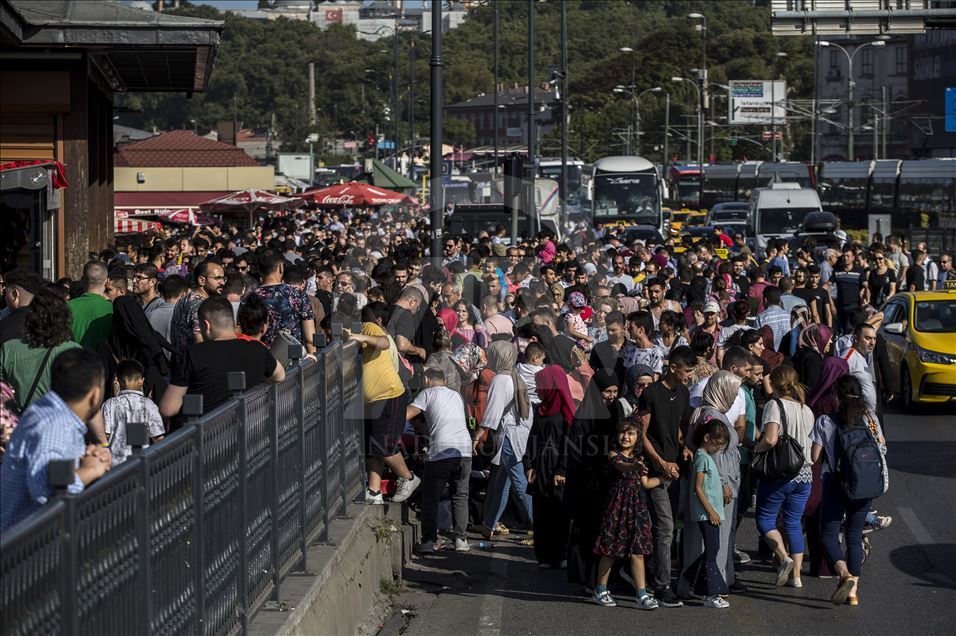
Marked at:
<point>622,402</point>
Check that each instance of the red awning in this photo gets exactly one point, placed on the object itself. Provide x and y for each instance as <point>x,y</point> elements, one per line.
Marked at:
<point>130,226</point>
<point>162,200</point>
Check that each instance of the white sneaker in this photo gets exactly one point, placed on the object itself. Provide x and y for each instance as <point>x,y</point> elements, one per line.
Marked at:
<point>373,500</point>
<point>462,545</point>
<point>783,571</point>
<point>405,488</point>
<point>794,583</point>
<point>716,602</point>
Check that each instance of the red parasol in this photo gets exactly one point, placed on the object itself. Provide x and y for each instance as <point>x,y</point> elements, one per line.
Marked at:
<point>249,202</point>
<point>186,216</point>
<point>133,226</point>
<point>356,194</point>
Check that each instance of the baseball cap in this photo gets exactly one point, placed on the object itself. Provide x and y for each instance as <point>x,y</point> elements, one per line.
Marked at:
<point>711,307</point>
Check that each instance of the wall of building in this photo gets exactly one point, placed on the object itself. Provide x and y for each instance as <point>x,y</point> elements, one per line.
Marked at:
<point>873,68</point>
<point>194,179</point>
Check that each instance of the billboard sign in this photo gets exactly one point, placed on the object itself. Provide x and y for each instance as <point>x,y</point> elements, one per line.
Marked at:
<point>752,101</point>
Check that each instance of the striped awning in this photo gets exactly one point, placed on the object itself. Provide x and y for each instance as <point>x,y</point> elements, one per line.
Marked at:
<point>133,226</point>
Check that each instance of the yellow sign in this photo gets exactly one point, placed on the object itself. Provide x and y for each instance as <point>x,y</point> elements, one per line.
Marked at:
<point>721,252</point>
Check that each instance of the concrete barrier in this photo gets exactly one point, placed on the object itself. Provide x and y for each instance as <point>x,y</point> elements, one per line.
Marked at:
<point>340,594</point>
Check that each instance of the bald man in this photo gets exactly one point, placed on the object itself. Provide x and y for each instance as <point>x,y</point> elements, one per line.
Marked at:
<point>92,311</point>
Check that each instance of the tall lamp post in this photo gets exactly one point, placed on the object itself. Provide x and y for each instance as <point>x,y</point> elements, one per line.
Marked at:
<point>773,106</point>
<point>849,87</point>
<point>437,199</point>
<point>700,120</point>
<point>636,98</point>
<point>564,111</point>
<point>702,94</point>
<point>632,86</point>
<point>496,120</point>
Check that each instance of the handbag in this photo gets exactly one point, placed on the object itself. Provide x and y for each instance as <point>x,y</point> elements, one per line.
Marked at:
<point>782,462</point>
<point>280,347</point>
<point>875,432</point>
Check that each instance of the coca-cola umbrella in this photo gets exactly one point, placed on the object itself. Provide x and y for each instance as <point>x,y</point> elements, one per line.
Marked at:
<point>249,202</point>
<point>186,216</point>
<point>355,194</point>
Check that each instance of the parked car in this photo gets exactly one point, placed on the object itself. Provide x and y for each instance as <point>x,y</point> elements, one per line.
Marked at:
<point>920,333</point>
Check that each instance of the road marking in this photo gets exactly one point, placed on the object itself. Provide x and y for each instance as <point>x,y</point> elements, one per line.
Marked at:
<point>923,538</point>
<point>492,602</point>
<point>916,526</point>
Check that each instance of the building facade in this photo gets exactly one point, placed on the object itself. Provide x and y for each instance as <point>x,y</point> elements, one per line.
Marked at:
<point>61,64</point>
<point>512,120</point>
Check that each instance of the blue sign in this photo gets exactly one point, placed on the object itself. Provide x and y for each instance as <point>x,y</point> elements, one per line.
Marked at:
<point>386,144</point>
<point>950,110</point>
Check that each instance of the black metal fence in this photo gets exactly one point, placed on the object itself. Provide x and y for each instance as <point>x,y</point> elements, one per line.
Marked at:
<point>196,534</point>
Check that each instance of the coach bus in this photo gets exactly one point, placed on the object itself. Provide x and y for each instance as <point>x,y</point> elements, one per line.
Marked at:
<point>627,190</point>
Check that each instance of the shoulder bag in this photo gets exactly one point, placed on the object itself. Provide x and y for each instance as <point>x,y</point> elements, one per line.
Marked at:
<point>784,460</point>
<point>36,380</point>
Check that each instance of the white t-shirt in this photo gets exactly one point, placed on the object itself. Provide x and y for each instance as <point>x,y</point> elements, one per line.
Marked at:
<point>447,430</point>
<point>860,369</point>
<point>799,423</point>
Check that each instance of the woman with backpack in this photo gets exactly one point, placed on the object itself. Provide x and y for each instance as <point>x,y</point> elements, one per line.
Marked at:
<point>850,445</point>
<point>785,416</point>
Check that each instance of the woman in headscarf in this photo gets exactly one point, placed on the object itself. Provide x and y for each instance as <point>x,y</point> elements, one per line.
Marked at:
<point>814,343</point>
<point>719,395</point>
<point>133,338</point>
<point>507,408</point>
<point>563,352</point>
<point>552,418</point>
<point>637,378</point>
<point>823,398</point>
<point>799,320</point>
<point>583,463</point>
<point>771,358</point>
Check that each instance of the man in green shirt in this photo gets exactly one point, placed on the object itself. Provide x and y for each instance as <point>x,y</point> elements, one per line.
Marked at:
<point>92,312</point>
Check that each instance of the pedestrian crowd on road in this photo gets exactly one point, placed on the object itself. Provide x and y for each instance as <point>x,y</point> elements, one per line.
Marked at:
<point>623,403</point>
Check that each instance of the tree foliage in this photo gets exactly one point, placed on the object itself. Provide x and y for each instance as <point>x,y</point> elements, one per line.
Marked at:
<point>261,71</point>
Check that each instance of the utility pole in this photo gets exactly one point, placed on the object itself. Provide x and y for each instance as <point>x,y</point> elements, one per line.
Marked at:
<point>886,119</point>
<point>564,111</point>
<point>667,129</point>
<point>312,120</point>
<point>395,111</point>
<point>496,118</point>
<point>437,201</point>
<point>411,109</point>
<point>532,167</point>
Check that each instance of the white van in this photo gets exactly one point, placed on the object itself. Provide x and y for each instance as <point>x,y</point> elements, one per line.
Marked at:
<point>778,211</point>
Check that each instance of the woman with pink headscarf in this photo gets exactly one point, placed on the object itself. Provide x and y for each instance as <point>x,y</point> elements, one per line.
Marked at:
<point>812,347</point>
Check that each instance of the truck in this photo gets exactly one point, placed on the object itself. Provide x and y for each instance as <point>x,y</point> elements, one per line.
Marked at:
<point>778,211</point>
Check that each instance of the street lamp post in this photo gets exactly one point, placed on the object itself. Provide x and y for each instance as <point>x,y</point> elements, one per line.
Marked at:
<point>700,120</point>
<point>773,105</point>
<point>630,129</point>
<point>532,137</point>
<point>850,84</point>
<point>437,198</point>
<point>702,93</point>
<point>564,111</point>
<point>496,120</point>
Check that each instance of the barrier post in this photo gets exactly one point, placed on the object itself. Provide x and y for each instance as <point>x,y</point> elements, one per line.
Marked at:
<point>60,474</point>
<point>137,436</point>
<point>236,384</point>
<point>193,409</point>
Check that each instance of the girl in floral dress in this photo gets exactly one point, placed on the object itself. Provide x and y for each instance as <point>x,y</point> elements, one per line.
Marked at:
<point>626,528</point>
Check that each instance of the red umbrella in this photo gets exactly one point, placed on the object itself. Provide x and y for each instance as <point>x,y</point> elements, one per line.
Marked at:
<point>186,216</point>
<point>356,194</point>
<point>248,200</point>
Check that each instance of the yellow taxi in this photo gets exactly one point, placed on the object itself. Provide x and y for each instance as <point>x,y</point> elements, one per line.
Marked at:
<point>920,333</point>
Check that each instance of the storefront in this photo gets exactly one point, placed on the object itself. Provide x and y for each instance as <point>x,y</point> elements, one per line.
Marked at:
<point>61,64</point>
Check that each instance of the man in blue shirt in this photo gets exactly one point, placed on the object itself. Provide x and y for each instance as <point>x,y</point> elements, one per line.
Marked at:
<point>54,428</point>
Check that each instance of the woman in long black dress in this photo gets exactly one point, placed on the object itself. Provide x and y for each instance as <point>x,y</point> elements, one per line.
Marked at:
<point>552,419</point>
<point>584,465</point>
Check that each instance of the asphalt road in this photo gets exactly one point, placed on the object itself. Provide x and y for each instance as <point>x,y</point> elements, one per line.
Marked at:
<point>908,584</point>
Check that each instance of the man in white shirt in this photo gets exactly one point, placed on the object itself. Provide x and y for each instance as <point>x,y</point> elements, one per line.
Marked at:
<point>620,274</point>
<point>864,341</point>
<point>448,460</point>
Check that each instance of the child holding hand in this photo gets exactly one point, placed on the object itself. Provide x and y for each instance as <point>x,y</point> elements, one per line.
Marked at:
<point>626,528</point>
<point>707,508</point>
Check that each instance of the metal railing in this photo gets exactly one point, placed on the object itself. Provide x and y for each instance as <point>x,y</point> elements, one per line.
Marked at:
<point>195,534</point>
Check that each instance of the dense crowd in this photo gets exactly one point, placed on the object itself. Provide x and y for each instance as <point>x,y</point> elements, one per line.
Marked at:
<point>621,402</point>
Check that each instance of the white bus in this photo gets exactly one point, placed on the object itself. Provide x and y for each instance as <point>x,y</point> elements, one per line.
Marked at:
<point>627,190</point>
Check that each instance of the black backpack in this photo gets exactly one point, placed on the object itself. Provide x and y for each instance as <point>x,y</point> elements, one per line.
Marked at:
<point>859,463</point>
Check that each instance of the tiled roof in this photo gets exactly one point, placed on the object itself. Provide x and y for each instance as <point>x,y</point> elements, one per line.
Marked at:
<point>180,149</point>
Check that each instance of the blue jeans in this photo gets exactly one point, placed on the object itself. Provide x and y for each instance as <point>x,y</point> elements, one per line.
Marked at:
<point>832,507</point>
<point>792,497</point>
<point>509,473</point>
